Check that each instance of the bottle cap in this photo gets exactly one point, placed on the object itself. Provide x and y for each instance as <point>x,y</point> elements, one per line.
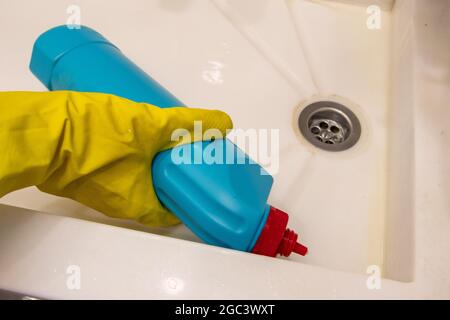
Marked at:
<point>276,239</point>
<point>55,43</point>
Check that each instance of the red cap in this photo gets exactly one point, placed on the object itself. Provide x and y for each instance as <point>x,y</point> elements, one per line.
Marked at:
<point>276,239</point>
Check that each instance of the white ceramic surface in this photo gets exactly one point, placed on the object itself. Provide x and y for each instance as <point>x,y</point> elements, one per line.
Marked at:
<point>383,202</point>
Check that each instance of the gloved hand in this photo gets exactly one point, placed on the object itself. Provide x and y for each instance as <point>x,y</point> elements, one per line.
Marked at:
<point>94,148</point>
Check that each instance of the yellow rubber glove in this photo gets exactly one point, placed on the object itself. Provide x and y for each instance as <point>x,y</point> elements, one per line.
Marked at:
<point>94,148</point>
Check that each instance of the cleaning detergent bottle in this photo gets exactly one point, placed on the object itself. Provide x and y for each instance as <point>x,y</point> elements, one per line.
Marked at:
<point>223,204</point>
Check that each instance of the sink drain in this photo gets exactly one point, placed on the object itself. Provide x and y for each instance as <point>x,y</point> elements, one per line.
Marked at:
<point>329,125</point>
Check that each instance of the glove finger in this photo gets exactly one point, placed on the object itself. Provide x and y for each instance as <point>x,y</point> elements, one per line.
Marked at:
<point>185,125</point>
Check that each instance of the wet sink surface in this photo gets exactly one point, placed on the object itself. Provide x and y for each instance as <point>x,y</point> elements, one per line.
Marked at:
<point>263,62</point>
<point>242,65</point>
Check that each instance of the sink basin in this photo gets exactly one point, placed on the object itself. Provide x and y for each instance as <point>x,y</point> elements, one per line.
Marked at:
<point>380,205</point>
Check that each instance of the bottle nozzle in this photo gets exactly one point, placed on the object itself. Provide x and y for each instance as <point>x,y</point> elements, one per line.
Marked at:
<point>289,244</point>
<point>300,249</point>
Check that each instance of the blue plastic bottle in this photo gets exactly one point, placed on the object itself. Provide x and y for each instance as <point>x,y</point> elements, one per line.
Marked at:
<point>223,204</point>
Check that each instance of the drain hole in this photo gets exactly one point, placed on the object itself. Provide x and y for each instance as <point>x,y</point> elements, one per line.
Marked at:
<point>315,130</point>
<point>334,129</point>
<point>330,126</point>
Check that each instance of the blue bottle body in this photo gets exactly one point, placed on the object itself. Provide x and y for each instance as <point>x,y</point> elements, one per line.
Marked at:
<point>225,204</point>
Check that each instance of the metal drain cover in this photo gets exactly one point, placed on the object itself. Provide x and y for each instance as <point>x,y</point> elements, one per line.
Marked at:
<point>330,126</point>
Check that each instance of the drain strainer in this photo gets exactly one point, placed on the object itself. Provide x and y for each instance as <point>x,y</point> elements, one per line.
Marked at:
<point>329,125</point>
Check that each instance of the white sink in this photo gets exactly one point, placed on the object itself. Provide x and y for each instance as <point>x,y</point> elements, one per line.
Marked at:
<point>383,203</point>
